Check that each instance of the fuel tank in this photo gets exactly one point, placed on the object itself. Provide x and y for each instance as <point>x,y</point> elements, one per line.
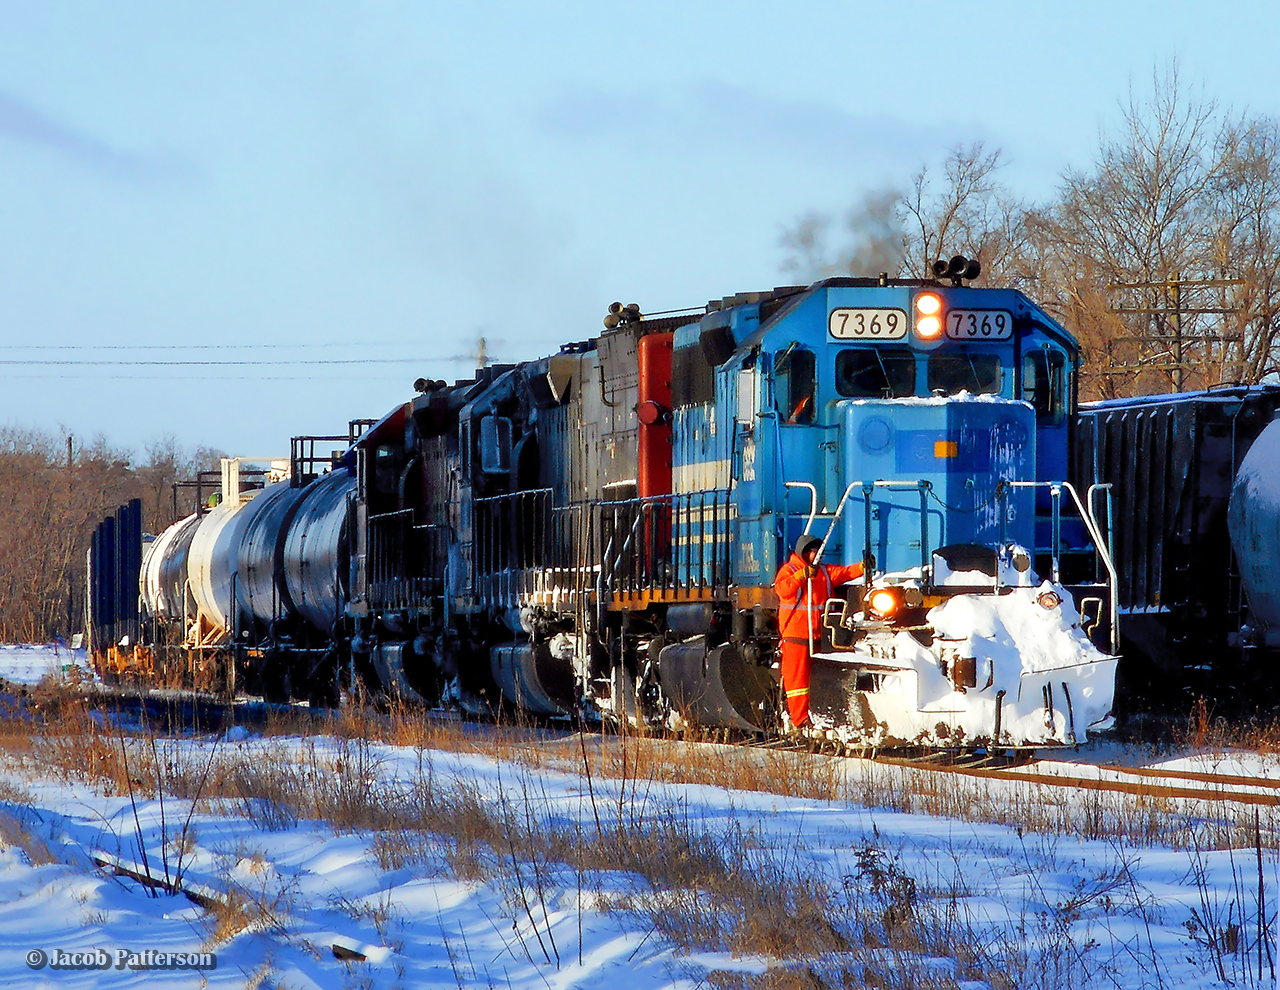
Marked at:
<point>317,550</point>
<point>1253,520</point>
<point>530,677</point>
<point>717,686</point>
<point>164,570</point>
<point>260,584</point>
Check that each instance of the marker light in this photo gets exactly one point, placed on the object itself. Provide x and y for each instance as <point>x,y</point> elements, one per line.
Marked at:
<point>927,304</point>
<point>1049,599</point>
<point>883,602</point>
<point>928,327</point>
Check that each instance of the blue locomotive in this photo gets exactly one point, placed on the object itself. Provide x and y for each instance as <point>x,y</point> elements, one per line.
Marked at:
<point>597,532</point>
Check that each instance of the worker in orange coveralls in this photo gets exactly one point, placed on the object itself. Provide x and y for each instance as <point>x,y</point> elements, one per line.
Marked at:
<point>798,614</point>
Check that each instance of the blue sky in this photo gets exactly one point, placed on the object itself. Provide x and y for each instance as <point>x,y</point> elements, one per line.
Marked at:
<point>391,180</point>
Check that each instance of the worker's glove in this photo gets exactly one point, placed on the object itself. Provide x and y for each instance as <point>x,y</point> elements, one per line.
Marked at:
<point>810,570</point>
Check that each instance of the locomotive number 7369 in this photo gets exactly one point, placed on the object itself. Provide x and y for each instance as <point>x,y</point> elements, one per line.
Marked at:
<point>868,324</point>
<point>979,324</point>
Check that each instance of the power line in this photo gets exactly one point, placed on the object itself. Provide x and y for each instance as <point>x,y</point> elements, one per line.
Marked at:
<point>398,376</point>
<point>138,363</point>
<point>199,347</point>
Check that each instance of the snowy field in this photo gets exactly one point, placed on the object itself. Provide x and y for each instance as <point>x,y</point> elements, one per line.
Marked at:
<point>26,664</point>
<point>432,866</point>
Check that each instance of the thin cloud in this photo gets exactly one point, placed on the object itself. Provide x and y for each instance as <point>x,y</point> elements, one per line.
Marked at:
<point>19,121</point>
<point>701,112</point>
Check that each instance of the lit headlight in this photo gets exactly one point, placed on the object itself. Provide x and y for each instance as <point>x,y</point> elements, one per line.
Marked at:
<point>883,602</point>
<point>927,304</point>
<point>928,327</point>
<point>928,315</point>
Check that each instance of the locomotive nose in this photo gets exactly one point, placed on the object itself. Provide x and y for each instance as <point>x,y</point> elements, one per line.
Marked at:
<point>935,468</point>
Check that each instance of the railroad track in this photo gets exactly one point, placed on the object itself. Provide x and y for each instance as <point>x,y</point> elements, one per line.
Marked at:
<point>189,710</point>
<point>1149,782</point>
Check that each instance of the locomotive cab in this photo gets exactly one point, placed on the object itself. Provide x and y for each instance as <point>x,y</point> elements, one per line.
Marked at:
<point>898,420</point>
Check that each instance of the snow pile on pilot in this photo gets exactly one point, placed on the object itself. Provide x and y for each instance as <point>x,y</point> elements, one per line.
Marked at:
<point>1009,669</point>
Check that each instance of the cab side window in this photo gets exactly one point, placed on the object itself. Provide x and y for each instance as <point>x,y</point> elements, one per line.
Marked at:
<point>1045,385</point>
<point>794,374</point>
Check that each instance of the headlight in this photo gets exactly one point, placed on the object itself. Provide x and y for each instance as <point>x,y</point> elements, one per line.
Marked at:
<point>1049,599</point>
<point>928,327</point>
<point>928,315</point>
<point>884,602</point>
<point>927,304</point>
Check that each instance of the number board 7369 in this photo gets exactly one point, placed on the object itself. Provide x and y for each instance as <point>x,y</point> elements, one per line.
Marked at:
<point>868,324</point>
<point>979,324</point>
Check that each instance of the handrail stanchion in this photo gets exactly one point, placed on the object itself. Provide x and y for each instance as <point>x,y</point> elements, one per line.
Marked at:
<point>924,527</point>
<point>1055,547</point>
<point>813,502</point>
<point>1103,547</point>
<point>867,544</point>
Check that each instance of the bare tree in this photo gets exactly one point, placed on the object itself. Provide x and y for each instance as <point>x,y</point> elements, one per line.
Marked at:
<point>1162,256</point>
<point>972,214</point>
<point>1140,250</point>
<point>898,233</point>
<point>49,507</point>
<point>1245,248</point>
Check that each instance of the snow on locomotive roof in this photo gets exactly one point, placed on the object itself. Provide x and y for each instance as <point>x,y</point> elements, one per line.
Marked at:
<point>1228,394</point>
<point>941,400</point>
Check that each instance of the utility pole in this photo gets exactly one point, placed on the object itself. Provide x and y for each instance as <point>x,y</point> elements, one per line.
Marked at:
<point>1174,311</point>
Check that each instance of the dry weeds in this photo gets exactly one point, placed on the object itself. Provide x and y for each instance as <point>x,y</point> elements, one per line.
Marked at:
<point>697,890</point>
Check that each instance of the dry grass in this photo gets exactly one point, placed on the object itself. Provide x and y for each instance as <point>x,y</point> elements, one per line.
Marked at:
<point>697,890</point>
<point>15,833</point>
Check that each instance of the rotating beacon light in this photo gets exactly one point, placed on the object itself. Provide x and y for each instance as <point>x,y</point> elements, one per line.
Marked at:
<point>928,316</point>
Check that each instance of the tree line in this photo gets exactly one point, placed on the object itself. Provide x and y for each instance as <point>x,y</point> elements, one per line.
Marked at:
<point>1162,255</point>
<point>53,493</point>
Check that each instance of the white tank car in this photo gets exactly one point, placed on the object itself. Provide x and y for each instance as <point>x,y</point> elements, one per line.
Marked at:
<point>259,582</point>
<point>212,562</point>
<point>164,571</point>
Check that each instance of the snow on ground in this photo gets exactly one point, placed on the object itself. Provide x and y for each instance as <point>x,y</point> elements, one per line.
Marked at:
<point>27,664</point>
<point>1126,916</point>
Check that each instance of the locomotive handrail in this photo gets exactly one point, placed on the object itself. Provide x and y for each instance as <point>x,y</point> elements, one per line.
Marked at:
<point>813,501</point>
<point>631,538</point>
<point>1087,515</point>
<point>867,488</point>
<point>1103,547</point>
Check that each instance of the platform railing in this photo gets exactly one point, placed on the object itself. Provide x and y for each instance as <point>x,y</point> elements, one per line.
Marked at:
<point>525,547</point>
<point>1102,545</point>
<point>405,561</point>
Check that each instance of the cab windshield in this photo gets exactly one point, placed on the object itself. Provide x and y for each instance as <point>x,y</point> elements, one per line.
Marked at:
<point>876,373</point>
<point>964,371</point>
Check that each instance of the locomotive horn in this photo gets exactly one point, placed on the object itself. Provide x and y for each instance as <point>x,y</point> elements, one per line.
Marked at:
<point>615,307</point>
<point>633,310</point>
<point>422,385</point>
<point>939,268</point>
<point>613,319</point>
<point>956,266</point>
<point>972,270</point>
